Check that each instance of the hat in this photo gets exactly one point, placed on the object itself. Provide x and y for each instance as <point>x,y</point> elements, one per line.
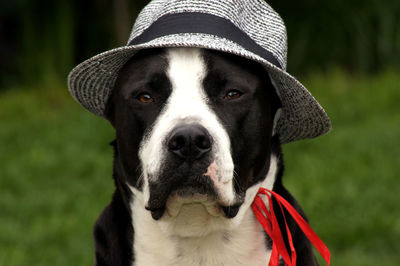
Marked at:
<point>247,28</point>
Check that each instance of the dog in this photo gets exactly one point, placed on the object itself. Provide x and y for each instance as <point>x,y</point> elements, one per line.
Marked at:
<point>195,140</point>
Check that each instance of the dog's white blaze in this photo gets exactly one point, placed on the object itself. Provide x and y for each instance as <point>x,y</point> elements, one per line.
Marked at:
<point>188,104</point>
<point>240,241</point>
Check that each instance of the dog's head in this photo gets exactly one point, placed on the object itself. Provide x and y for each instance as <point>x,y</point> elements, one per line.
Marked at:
<point>194,130</point>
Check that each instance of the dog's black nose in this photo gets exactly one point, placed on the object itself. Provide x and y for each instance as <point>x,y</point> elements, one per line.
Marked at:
<point>190,141</point>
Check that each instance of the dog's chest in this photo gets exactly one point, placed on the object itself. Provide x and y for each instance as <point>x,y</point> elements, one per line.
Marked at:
<point>242,246</point>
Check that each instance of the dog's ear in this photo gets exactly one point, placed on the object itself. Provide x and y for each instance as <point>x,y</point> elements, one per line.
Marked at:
<point>110,110</point>
<point>275,102</point>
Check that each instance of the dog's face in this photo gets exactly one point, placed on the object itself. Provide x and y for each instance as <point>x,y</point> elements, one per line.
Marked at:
<point>194,131</point>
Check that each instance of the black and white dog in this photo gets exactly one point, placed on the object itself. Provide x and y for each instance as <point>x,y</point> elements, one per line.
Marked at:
<point>194,141</point>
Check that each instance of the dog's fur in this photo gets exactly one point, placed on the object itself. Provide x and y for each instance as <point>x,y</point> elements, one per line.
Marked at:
<point>192,207</point>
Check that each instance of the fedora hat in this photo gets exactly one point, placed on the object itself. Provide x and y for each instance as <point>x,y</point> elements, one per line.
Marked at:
<point>247,28</point>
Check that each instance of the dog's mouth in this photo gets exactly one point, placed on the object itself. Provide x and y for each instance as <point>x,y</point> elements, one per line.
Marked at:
<point>197,186</point>
<point>191,201</point>
<point>176,202</point>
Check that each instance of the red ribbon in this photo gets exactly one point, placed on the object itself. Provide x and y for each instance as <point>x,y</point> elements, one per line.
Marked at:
<point>270,224</point>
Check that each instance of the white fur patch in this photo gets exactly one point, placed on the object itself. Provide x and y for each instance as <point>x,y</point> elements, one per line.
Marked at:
<point>276,119</point>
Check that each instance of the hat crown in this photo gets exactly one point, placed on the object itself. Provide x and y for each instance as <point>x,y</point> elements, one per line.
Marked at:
<point>253,17</point>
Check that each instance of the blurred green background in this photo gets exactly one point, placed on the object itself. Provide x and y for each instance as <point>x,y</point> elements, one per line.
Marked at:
<point>55,161</point>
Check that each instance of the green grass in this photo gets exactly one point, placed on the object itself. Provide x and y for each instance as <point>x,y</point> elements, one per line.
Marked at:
<point>55,178</point>
<point>55,173</point>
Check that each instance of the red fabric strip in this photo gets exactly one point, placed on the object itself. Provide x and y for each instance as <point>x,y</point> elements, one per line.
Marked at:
<point>269,222</point>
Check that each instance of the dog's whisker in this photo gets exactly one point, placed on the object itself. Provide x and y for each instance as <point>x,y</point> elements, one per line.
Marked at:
<point>139,180</point>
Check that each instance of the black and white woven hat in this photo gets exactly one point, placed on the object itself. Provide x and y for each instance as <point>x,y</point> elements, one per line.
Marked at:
<point>247,28</point>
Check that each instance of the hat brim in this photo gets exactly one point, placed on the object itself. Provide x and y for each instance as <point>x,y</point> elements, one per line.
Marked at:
<point>91,83</point>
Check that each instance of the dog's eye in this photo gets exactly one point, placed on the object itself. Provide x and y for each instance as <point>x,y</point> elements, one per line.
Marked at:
<point>233,94</point>
<point>145,98</point>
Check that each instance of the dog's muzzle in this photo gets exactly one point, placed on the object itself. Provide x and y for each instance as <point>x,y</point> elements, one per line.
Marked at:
<point>188,171</point>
